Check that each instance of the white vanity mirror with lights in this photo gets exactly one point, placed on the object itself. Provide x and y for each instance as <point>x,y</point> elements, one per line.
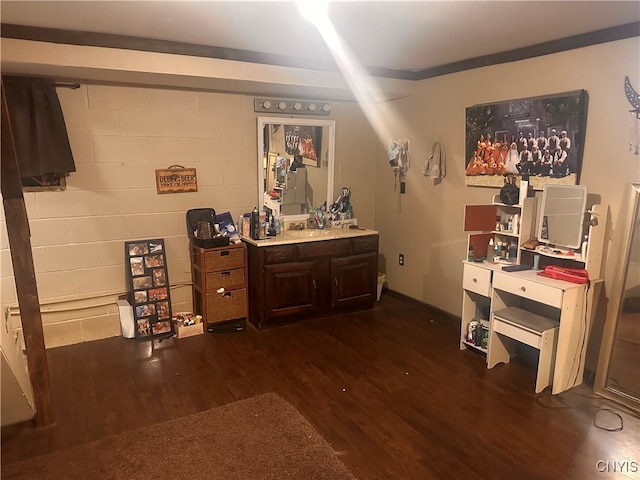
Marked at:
<point>295,164</point>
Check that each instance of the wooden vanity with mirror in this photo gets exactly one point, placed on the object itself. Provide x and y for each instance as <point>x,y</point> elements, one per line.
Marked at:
<point>311,273</point>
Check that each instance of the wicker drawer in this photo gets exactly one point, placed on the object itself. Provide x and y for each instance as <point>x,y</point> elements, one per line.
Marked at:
<point>223,259</point>
<point>227,279</point>
<point>230,305</point>
<point>477,279</point>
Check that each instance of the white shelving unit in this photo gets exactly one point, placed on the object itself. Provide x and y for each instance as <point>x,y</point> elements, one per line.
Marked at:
<point>504,302</point>
<point>483,220</point>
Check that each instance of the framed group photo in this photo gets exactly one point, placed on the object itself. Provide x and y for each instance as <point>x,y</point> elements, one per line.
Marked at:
<point>541,137</point>
<point>148,283</point>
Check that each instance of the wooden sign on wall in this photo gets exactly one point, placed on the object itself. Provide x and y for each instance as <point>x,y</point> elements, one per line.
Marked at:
<point>176,179</point>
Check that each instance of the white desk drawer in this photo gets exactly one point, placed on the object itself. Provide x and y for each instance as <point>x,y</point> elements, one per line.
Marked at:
<point>522,287</point>
<point>477,279</point>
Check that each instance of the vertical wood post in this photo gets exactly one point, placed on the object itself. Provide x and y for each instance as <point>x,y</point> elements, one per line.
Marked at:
<point>24,273</point>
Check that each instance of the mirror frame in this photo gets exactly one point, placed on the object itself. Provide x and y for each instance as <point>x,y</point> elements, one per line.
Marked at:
<point>552,196</point>
<point>629,215</point>
<point>312,122</point>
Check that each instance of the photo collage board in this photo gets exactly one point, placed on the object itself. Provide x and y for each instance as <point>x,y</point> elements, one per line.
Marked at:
<point>148,282</point>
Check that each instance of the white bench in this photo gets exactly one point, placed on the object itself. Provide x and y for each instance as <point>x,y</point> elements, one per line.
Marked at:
<point>511,325</point>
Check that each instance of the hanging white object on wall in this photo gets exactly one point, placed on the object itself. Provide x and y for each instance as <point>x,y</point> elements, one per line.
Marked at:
<point>436,165</point>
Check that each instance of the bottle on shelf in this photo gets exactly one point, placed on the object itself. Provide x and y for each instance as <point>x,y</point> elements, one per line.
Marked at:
<point>583,251</point>
<point>471,256</point>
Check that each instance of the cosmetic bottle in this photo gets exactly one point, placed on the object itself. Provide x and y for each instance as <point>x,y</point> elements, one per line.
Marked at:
<point>255,224</point>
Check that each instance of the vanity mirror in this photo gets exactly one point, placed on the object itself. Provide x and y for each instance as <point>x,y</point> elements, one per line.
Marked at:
<point>293,191</point>
<point>561,215</point>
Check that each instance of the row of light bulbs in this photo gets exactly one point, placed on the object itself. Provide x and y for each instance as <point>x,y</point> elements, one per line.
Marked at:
<point>296,106</point>
<point>292,106</point>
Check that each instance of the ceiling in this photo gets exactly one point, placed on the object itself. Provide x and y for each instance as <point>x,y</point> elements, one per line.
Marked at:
<point>400,36</point>
<point>410,36</point>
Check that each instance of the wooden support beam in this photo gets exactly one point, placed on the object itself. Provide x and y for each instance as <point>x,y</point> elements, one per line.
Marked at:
<point>24,273</point>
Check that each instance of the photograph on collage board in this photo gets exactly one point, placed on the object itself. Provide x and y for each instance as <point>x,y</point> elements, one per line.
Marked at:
<point>148,284</point>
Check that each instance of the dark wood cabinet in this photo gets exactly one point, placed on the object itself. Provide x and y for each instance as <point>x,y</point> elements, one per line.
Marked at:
<point>290,288</point>
<point>219,282</point>
<point>351,280</point>
<point>293,282</point>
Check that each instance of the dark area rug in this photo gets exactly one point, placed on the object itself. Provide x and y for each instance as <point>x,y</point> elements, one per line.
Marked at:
<point>260,438</point>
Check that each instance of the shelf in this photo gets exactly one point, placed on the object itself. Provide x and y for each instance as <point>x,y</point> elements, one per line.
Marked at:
<point>508,233</point>
<point>549,252</point>
<point>475,347</point>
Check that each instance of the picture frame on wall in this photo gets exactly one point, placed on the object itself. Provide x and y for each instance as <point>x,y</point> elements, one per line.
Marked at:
<point>148,285</point>
<point>532,125</point>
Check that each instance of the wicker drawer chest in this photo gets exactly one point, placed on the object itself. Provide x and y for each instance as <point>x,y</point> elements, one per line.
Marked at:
<point>219,282</point>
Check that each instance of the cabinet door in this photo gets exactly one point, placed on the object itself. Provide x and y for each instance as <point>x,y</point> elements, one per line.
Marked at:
<point>354,280</point>
<point>290,288</point>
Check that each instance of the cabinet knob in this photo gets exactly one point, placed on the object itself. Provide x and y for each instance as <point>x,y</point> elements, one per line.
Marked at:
<point>475,280</point>
<point>280,256</point>
<point>523,288</point>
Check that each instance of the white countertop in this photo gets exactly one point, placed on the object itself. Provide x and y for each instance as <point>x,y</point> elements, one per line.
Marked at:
<point>287,237</point>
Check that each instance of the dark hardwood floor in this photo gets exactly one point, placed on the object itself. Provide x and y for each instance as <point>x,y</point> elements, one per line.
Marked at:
<point>388,388</point>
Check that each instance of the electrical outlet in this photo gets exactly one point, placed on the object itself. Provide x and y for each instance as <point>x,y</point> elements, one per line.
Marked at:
<point>401,259</point>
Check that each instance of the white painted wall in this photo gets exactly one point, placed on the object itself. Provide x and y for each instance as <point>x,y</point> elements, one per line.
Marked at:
<point>428,226</point>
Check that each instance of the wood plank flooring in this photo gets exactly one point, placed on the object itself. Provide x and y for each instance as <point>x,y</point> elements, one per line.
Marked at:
<point>388,388</point>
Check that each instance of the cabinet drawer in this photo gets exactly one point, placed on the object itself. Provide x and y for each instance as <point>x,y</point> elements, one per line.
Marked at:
<point>229,305</point>
<point>283,253</point>
<point>323,248</point>
<point>477,279</point>
<point>364,244</point>
<point>225,279</point>
<point>528,289</point>
<point>223,259</point>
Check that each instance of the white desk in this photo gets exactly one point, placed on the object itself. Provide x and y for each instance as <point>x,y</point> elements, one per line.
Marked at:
<point>556,300</point>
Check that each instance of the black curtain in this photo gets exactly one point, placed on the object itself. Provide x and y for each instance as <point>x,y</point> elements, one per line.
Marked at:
<point>39,131</point>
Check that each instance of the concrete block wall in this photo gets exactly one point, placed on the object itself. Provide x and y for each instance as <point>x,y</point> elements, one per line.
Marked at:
<point>119,135</point>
